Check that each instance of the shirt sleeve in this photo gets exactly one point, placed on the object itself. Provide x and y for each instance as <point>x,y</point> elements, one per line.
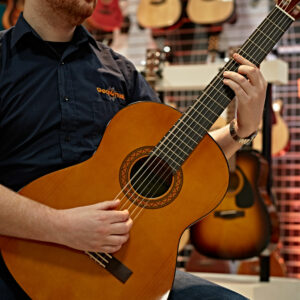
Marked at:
<point>139,89</point>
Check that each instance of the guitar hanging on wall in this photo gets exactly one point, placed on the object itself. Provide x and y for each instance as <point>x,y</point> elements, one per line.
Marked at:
<point>240,226</point>
<point>12,12</point>
<point>106,16</point>
<point>210,12</point>
<point>167,172</point>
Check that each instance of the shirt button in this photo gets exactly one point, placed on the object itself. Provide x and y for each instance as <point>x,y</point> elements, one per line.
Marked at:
<point>62,63</point>
<point>66,99</point>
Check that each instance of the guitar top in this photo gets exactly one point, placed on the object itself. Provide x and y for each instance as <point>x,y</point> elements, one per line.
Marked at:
<point>158,13</point>
<point>210,12</point>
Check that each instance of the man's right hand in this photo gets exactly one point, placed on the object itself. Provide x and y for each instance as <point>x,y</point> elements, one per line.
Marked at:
<point>98,228</point>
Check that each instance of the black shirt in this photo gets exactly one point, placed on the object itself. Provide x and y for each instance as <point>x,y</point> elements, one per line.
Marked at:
<point>55,105</point>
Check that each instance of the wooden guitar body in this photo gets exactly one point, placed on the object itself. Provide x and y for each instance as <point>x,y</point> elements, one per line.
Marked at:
<point>49,271</point>
<point>209,11</point>
<point>12,12</point>
<point>158,13</point>
<point>240,226</point>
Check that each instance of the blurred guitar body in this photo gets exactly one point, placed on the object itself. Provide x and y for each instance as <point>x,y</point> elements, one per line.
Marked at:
<point>158,13</point>
<point>107,16</point>
<point>240,226</point>
<point>210,12</point>
<point>12,12</point>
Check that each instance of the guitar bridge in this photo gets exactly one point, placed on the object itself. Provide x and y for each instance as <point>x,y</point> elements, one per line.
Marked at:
<point>111,264</point>
<point>229,214</point>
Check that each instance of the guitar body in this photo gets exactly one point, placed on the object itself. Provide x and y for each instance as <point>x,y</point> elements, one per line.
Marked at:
<point>209,11</point>
<point>240,226</point>
<point>279,133</point>
<point>158,13</point>
<point>49,271</point>
<point>12,12</point>
<point>107,16</point>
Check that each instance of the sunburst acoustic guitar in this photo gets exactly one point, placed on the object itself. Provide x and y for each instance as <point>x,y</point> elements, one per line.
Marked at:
<point>240,225</point>
<point>167,172</point>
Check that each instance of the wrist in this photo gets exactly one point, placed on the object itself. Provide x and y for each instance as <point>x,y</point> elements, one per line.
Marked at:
<point>240,136</point>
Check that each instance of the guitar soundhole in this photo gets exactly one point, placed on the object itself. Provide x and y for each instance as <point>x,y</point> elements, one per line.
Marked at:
<point>151,177</point>
<point>233,182</point>
<point>149,182</point>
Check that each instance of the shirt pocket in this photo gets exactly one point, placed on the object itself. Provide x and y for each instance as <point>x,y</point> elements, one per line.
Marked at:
<point>103,111</point>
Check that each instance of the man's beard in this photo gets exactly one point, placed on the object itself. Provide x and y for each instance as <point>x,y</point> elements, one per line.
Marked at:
<point>73,11</point>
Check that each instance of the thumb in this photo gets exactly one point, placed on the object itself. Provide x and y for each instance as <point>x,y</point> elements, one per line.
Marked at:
<point>107,205</point>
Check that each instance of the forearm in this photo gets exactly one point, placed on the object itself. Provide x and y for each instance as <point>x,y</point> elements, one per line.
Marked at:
<point>25,218</point>
<point>225,141</point>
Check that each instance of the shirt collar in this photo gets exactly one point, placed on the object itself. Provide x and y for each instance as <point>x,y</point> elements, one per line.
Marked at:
<point>22,28</point>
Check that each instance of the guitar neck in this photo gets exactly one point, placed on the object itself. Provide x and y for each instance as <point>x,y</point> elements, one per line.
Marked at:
<point>188,131</point>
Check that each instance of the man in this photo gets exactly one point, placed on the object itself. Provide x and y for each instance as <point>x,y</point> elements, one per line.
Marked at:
<point>54,107</point>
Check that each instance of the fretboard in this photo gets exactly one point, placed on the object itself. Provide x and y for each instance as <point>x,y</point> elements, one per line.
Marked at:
<point>191,127</point>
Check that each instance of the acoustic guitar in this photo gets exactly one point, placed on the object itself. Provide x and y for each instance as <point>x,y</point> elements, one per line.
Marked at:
<point>12,12</point>
<point>107,16</point>
<point>167,172</point>
<point>210,11</point>
<point>158,13</point>
<point>280,132</point>
<point>240,226</point>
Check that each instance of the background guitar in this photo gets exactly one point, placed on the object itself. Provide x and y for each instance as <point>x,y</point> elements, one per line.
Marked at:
<point>12,12</point>
<point>210,12</point>
<point>158,13</point>
<point>280,132</point>
<point>106,16</point>
<point>240,226</point>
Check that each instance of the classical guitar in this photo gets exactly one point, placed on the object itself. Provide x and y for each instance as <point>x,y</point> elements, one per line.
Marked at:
<point>167,172</point>
<point>12,12</point>
<point>106,16</point>
<point>240,226</point>
<point>158,13</point>
<point>280,132</point>
<point>210,12</point>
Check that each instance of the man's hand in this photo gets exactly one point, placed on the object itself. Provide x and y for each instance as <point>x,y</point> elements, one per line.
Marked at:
<point>97,228</point>
<point>250,94</point>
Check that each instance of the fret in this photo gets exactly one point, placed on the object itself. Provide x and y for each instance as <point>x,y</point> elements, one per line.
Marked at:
<point>195,132</point>
<point>168,157</point>
<point>247,56</point>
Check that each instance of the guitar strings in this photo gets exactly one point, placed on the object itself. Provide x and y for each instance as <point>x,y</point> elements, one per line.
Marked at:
<point>212,83</point>
<point>100,254</point>
<point>162,183</point>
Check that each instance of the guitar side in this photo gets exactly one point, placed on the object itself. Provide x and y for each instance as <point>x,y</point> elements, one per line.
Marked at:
<point>51,271</point>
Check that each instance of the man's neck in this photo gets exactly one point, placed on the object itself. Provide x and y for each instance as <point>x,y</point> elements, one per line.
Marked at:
<point>50,27</point>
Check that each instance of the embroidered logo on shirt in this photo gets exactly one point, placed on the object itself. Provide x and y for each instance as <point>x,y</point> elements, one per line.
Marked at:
<point>111,93</point>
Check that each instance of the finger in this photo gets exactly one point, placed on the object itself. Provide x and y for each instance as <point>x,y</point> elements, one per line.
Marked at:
<point>110,248</point>
<point>240,80</point>
<point>116,240</point>
<point>114,216</point>
<point>252,73</point>
<point>108,205</point>
<point>238,90</point>
<point>121,228</point>
<point>241,60</point>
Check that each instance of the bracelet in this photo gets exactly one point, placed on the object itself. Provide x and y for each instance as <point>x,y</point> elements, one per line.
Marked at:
<point>242,141</point>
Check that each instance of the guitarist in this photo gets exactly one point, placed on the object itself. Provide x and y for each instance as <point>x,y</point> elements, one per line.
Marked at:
<point>58,90</point>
